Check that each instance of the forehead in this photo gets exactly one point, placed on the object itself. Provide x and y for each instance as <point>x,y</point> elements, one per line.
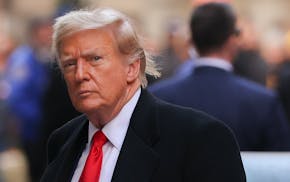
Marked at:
<point>102,38</point>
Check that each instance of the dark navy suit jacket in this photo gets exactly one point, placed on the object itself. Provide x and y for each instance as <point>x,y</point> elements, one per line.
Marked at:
<point>163,143</point>
<point>250,110</point>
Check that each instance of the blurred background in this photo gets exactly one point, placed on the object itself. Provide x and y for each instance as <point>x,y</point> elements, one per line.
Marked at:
<point>269,17</point>
<point>30,83</point>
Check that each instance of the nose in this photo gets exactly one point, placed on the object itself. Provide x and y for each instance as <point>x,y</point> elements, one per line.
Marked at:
<point>81,73</point>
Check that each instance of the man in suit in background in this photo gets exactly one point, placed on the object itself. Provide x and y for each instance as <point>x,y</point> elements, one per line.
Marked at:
<point>251,111</point>
<point>126,134</point>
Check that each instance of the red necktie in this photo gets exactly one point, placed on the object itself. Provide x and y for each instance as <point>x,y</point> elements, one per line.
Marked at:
<point>91,171</point>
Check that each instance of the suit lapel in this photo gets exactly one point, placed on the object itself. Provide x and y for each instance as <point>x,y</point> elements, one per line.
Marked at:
<point>73,150</point>
<point>137,160</point>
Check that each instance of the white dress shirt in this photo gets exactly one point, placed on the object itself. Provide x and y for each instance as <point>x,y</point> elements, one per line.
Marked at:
<point>213,62</point>
<point>115,132</point>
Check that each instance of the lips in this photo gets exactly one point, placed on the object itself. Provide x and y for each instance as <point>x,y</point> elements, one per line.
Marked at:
<point>84,93</point>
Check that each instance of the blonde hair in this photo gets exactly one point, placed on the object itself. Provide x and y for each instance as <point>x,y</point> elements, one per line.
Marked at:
<point>129,42</point>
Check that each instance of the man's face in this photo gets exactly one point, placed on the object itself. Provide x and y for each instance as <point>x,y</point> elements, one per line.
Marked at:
<point>94,70</point>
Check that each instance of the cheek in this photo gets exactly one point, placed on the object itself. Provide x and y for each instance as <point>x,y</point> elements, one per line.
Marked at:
<point>71,94</point>
<point>119,77</point>
<point>115,83</point>
<point>115,75</point>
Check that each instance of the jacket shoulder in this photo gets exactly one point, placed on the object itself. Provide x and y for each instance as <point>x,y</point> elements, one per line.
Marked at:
<point>205,140</point>
<point>60,136</point>
<point>185,118</point>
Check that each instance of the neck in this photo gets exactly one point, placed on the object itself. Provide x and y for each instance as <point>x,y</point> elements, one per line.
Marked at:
<point>220,55</point>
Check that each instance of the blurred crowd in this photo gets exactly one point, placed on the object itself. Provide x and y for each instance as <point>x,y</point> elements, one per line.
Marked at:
<point>34,101</point>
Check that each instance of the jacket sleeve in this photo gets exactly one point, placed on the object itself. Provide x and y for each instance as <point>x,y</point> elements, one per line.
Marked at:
<point>276,128</point>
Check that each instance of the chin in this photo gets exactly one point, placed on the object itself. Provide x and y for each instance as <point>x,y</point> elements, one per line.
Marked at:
<point>85,107</point>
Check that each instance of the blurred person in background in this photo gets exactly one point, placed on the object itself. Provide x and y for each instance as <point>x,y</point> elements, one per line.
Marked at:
<point>177,60</point>
<point>119,138</point>
<point>248,62</point>
<point>283,85</point>
<point>283,77</point>
<point>177,50</point>
<point>274,54</point>
<point>8,126</point>
<point>29,78</point>
<point>253,112</point>
<point>13,165</point>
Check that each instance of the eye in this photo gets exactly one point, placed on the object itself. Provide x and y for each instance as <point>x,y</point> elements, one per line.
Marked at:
<point>96,58</point>
<point>69,64</point>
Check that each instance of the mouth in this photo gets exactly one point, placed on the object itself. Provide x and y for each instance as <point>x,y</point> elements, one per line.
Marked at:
<point>84,93</point>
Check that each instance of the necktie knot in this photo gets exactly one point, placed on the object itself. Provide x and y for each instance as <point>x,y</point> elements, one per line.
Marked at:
<point>99,139</point>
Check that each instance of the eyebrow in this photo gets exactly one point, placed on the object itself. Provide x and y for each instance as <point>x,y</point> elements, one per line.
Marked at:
<point>66,56</point>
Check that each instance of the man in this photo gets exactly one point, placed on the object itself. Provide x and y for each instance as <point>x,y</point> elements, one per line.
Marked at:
<point>125,133</point>
<point>249,109</point>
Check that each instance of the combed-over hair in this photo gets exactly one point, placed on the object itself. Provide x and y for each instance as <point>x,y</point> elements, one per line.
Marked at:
<point>128,41</point>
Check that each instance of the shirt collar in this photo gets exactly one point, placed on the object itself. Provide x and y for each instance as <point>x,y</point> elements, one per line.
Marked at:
<point>213,62</point>
<point>116,129</point>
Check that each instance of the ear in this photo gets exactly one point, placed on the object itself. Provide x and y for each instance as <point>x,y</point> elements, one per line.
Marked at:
<point>133,71</point>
